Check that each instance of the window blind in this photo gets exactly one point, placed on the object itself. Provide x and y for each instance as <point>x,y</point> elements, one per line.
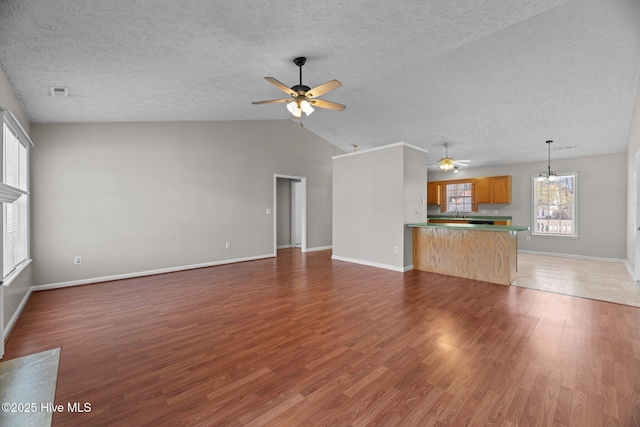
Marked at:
<point>15,215</point>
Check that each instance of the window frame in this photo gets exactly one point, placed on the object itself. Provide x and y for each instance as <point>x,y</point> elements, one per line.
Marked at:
<point>9,193</point>
<point>471,196</point>
<point>534,213</point>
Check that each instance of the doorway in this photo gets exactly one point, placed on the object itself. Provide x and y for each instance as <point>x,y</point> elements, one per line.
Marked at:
<point>290,213</point>
<point>296,213</point>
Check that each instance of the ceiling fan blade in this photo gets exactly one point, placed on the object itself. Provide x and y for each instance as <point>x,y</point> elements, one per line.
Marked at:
<point>271,101</point>
<point>281,86</point>
<point>323,88</point>
<point>460,164</point>
<point>327,104</point>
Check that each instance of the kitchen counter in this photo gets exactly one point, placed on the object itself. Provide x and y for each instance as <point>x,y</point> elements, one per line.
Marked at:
<point>486,227</point>
<point>498,220</point>
<point>473,251</point>
<point>471,217</point>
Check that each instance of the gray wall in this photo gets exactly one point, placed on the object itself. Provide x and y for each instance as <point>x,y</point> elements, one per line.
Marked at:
<point>18,288</point>
<point>137,197</point>
<point>371,204</point>
<point>602,198</point>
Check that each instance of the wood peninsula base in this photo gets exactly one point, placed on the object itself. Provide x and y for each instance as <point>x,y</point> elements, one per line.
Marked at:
<point>490,255</point>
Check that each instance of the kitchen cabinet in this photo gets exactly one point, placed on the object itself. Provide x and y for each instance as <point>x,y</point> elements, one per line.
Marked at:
<point>482,190</point>
<point>501,189</point>
<point>488,253</point>
<point>493,189</point>
<point>488,189</point>
<point>433,193</point>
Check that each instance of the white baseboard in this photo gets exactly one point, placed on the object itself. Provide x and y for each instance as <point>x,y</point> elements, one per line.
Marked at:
<point>283,247</point>
<point>16,314</point>
<point>631,272</point>
<point>595,258</point>
<point>145,273</point>
<point>369,263</point>
<point>408,268</point>
<point>319,248</point>
<point>629,269</point>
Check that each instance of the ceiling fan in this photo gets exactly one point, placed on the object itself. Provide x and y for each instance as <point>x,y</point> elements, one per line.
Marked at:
<point>302,98</point>
<point>447,163</point>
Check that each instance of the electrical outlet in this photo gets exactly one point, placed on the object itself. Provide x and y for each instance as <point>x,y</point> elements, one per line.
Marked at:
<point>395,249</point>
<point>484,211</point>
<point>227,245</point>
<point>495,211</point>
<point>77,260</point>
<point>528,238</point>
<point>268,211</point>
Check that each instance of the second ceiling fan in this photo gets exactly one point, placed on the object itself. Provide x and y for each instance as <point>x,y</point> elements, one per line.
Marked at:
<point>303,98</point>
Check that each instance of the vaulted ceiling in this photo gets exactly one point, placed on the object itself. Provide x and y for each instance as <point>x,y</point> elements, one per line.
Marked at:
<point>493,78</point>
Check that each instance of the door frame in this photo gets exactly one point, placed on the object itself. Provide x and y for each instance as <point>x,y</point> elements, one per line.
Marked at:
<point>636,213</point>
<point>303,219</point>
<point>296,217</point>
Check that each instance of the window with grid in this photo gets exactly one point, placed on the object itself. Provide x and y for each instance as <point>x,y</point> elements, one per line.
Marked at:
<point>14,215</point>
<point>554,206</point>
<point>459,197</point>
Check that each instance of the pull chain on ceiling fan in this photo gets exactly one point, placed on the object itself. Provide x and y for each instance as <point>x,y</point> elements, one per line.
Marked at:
<point>303,98</point>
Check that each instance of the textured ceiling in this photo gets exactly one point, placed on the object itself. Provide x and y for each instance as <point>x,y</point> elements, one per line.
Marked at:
<point>493,78</point>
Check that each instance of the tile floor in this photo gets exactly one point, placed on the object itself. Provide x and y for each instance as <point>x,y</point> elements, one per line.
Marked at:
<point>28,389</point>
<point>602,280</point>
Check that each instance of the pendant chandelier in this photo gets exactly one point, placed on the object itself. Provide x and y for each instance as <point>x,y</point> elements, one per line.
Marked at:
<point>548,174</point>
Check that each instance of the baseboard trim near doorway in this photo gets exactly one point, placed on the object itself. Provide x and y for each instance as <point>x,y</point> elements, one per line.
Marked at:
<point>370,263</point>
<point>318,248</point>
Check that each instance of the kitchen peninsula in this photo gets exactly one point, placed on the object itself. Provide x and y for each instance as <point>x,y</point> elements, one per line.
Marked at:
<point>474,251</point>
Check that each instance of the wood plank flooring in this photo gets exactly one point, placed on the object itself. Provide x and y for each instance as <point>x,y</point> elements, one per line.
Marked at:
<point>301,340</point>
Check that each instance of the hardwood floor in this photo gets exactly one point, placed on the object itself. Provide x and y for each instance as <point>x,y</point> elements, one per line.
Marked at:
<point>301,340</point>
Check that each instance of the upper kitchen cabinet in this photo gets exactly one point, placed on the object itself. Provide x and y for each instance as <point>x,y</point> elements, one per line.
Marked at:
<point>493,189</point>
<point>501,189</point>
<point>433,193</point>
<point>489,189</point>
<point>482,190</point>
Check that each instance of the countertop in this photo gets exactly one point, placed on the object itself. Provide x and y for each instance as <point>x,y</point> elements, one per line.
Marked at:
<point>485,227</point>
<point>471,218</point>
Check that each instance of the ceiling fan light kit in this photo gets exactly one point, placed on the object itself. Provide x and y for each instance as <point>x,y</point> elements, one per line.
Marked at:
<point>302,97</point>
<point>447,163</point>
<point>297,107</point>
